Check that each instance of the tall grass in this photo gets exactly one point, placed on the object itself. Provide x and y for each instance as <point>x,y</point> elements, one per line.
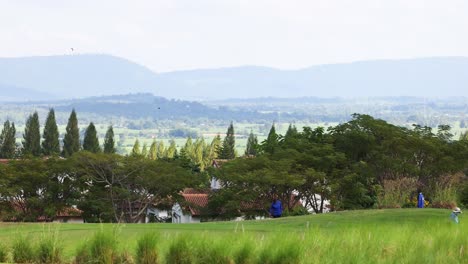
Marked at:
<point>181,250</point>
<point>147,250</point>
<point>372,236</point>
<point>49,249</point>
<point>3,253</point>
<point>22,250</point>
<point>103,247</point>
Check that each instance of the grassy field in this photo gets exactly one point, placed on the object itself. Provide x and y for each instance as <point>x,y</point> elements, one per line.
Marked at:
<point>371,236</point>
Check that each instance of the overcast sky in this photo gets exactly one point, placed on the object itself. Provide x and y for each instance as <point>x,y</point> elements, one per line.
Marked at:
<point>168,35</point>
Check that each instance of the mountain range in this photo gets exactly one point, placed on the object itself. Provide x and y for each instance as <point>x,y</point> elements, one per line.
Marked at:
<point>79,76</point>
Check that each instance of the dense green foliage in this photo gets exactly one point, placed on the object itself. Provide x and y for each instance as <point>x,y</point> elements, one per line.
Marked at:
<point>7,141</point>
<point>363,163</point>
<point>228,148</point>
<point>109,142</point>
<point>91,141</point>
<point>71,141</point>
<point>32,136</point>
<point>50,144</point>
<point>252,145</point>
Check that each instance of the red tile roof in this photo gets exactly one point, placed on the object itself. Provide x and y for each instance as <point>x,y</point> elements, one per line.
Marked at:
<point>196,202</point>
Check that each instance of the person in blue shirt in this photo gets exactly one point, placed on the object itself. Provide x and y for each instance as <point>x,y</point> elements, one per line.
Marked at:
<point>276,208</point>
<point>454,214</point>
<point>421,200</point>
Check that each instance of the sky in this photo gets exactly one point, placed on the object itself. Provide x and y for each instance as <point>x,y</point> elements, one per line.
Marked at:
<point>169,35</point>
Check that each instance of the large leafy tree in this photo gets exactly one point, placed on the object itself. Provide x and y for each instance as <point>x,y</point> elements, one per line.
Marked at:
<point>71,141</point>
<point>127,186</point>
<point>8,141</point>
<point>32,136</point>
<point>109,143</point>
<point>91,141</point>
<point>50,144</point>
<point>228,149</point>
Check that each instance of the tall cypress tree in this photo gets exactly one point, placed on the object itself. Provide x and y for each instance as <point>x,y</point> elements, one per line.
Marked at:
<point>153,151</point>
<point>270,144</point>
<point>161,151</point>
<point>144,150</point>
<point>8,141</point>
<point>252,144</point>
<point>50,145</point>
<point>228,149</point>
<point>172,149</point>
<point>109,143</point>
<point>71,141</point>
<point>136,151</point>
<point>91,141</point>
<point>32,136</point>
<point>215,146</point>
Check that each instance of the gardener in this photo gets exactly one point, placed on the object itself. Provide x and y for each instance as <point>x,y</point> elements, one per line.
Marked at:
<point>454,214</point>
<point>420,200</point>
<point>276,208</point>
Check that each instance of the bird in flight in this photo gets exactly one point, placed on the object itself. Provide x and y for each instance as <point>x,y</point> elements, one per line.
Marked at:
<point>72,49</point>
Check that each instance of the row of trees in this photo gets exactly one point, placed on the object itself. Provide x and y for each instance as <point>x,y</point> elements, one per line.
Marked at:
<point>106,187</point>
<point>199,153</point>
<point>32,145</point>
<point>363,163</point>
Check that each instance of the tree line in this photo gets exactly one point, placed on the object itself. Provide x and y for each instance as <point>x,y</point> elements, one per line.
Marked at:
<point>363,163</point>
<point>33,146</point>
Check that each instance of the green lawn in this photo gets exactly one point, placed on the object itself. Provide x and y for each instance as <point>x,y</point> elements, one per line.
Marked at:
<point>367,236</point>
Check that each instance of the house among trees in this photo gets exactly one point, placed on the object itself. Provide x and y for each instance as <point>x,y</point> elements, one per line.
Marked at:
<point>190,209</point>
<point>69,215</point>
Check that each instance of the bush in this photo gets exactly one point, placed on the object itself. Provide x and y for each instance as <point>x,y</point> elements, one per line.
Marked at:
<point>209,251</point>
<point>3,253</point>
<point>245,254</point>
<point>103,247</point>
<point>147,252</point>
<point>48,249</point>
<point>445,193</point>
<point>464,195</point>
<point>22,250</point>
<point>82,254</point>
<point>180,251</point>
<point>396,193</point>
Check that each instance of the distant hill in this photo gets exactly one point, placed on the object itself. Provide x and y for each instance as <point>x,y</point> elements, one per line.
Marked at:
<point>15,93</point>
<point>146,105</point>
<point>76,76</point>
<point>80,76</point>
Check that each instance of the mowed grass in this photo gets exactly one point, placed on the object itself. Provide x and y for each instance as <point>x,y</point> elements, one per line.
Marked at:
<point>365,236</point>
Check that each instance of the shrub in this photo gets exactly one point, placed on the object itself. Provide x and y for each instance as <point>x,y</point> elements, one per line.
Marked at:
<point>445,193</point>
<point>180,252</point>
<point>22,250</point>
<point>103,247</point>
<point>48,249</point>
<point>82,254</point>
<point>216,252</point>
<point>464,195</point>
<point>147,252</point>
<point>396,193</point>
<point>3,253</point>
<point>245,254</point>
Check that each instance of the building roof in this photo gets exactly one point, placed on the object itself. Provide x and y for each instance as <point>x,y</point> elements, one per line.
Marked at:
<point>196,201</point>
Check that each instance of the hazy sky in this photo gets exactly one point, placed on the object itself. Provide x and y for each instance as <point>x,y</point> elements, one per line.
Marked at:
<point>170,35</point>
